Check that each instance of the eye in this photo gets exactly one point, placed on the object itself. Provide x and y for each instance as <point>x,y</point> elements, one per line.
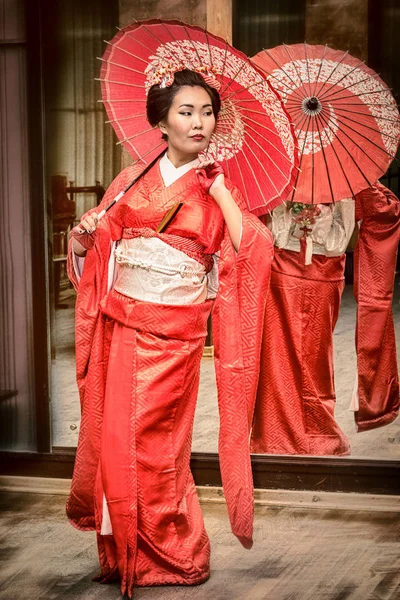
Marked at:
<point>185,113</point>
<point>208,113</point>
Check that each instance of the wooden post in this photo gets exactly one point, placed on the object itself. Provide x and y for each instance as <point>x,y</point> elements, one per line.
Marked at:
<point>219,18</point>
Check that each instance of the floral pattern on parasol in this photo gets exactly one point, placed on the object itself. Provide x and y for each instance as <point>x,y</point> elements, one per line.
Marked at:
<point>254,137</point>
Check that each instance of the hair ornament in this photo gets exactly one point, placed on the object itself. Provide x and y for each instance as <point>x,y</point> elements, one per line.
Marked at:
<point>164,75</point>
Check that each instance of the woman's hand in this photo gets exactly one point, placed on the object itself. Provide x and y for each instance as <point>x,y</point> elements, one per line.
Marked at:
<point>83,234</point>
<point>212,178</point>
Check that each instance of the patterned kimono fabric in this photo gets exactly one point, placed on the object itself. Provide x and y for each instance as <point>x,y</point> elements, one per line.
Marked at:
<point>377,394</point>
<point>138,366</point>
<point>296,395</point>
<point>294,411</point>
<point>295,404</point>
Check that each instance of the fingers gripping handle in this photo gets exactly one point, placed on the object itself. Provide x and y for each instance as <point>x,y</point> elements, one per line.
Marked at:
<point>103,212</point>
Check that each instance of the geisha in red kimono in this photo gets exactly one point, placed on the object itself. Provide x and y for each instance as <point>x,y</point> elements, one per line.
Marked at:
<point>141,322</point>
<point>295,403</point>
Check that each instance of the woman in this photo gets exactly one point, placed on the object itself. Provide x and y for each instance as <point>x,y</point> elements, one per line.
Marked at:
<point>144,298</point>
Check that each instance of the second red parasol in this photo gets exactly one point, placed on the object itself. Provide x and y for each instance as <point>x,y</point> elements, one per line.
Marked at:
<point>346,119</point>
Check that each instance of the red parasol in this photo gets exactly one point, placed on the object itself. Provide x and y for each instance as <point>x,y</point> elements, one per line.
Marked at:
<point>346,120</point>
<point>254,137</point>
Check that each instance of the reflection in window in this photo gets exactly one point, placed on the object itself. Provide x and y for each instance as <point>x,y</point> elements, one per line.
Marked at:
<point>81,161</point>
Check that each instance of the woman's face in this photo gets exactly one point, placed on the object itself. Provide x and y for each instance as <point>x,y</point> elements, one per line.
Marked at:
<point>189,124</point>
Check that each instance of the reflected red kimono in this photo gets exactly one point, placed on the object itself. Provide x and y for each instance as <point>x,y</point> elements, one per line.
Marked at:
<point>295,404</point>
<point>374,268</point>
<point>296,399</point>
<point>138,374</point>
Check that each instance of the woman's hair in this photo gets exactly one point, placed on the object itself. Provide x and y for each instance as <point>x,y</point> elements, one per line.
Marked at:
<point>159,100</point>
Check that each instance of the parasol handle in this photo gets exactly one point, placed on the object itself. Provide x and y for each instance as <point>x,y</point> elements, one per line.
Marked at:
<point>123,192</point>
<point>117,197</point>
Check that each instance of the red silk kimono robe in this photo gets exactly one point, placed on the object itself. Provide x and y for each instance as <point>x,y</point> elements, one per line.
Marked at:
<point>295,403</point>
<point>374,268</point>
<point>138,366</point>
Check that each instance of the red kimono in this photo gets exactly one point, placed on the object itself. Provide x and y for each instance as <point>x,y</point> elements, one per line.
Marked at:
<point>295,403</point>
<point>138,367</point>
<point>374,268</point>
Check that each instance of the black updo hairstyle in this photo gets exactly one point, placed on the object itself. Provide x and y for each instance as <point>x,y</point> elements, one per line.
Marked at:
<point>159,100</point>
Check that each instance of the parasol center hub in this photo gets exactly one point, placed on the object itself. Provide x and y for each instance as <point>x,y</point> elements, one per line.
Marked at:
<point>311,106</point>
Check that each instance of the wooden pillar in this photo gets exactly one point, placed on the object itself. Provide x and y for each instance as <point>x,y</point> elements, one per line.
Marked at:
<point>215,16</point>
<point>189,11</point>
<point>342,24</point>
<point>219,18</point>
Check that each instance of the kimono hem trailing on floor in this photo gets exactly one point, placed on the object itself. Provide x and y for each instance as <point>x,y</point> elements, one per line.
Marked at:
<point>138,374</point>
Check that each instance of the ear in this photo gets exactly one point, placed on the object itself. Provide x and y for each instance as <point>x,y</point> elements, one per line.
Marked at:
<point>162,127</point>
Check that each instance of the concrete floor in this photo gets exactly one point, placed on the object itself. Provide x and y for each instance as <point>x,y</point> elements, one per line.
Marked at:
<point>298,554</point>
<point>381,443</point>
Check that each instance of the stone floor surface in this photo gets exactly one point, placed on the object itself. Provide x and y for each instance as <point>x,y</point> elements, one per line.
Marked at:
<point>298,554</point>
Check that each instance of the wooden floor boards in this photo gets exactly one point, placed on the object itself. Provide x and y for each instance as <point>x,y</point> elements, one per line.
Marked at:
<point>298,554</point>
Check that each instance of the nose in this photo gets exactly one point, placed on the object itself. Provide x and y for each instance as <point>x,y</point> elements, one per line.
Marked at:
<point>197,122</point>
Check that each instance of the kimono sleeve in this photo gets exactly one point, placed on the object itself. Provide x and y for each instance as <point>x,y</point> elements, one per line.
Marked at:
<point>377,393</point>
<point>238,317</point>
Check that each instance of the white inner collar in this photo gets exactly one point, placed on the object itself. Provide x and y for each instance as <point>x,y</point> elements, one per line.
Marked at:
<point>170,173</point>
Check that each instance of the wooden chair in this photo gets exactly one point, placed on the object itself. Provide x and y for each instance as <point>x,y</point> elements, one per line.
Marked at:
<point>63,219</point>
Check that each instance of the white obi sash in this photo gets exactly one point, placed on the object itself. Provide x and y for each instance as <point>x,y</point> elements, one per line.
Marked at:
<point>152,271</point>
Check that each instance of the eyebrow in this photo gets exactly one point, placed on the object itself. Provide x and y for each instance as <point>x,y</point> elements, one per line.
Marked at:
<point>192,106</point>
